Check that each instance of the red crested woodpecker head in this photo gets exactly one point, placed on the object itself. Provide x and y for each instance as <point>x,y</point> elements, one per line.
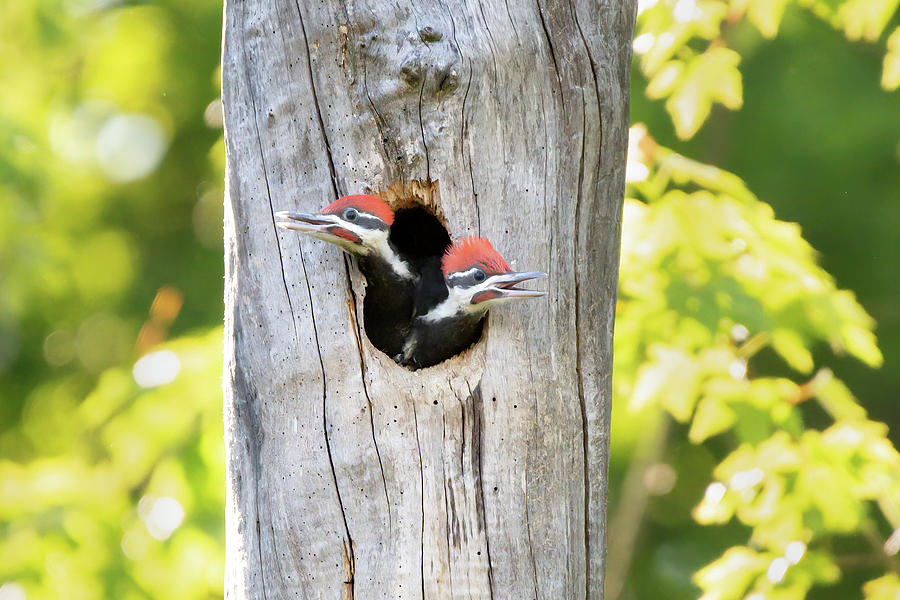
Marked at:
<point>359,224</point>
<point>478,277</point>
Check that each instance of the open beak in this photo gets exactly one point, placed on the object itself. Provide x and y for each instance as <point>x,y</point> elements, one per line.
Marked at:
<point>503,287</point>
<point>304,222</point>
<point>323,226</point>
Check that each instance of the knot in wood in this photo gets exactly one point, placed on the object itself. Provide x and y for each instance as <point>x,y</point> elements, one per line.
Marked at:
<point>429,34</point>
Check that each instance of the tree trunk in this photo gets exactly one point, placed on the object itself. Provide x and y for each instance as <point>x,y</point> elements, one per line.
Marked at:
<point>482,477</point>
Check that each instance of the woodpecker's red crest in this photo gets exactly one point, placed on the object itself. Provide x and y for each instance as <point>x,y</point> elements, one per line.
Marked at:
<point>368,204</point>
<point>470,252</point>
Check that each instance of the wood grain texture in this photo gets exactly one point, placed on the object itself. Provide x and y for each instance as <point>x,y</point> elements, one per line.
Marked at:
<point>483,477</point>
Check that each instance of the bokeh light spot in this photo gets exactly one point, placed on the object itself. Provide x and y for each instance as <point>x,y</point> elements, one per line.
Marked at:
<point>103,340</point>
<point>892,545</point>
<point>744,480</point>
<point>207,218</point>
<point>738,369</point>
<point>59,347</point>
<point>795,551</point>
<point>659,479</point>
<point>12,591</point>
<point>164,517</point>
<point>212,116</point>
<point>685,11</point>
<point>73,134</point>
<point>156,368</point>
<point>777,569</point>
<point>739,333</point>
<point>635,171</point>
<point>715,492</point>
<point>130,147</point>
<point>643,43</point>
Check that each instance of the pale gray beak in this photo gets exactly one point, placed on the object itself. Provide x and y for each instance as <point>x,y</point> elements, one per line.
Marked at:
<point>305,222</point>
<point>502,287</point>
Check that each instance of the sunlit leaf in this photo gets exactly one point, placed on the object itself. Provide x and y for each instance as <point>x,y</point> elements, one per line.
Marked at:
<point>729,577</point>
<point>791,347</point>
<point>710,77</point>
<point>766,15</point>
<point>890,76</point>
<point>836,398</point>
<point>665,80</point>
<point>883,588</point>
<point>672,380</point>
<point>861,343</point>
<point>865,19</point>
<point>712,417</point>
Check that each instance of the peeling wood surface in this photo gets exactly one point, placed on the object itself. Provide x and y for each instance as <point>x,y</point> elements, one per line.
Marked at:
<point>483,477</point>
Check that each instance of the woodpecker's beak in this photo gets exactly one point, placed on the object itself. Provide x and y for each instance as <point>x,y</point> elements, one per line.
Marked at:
<point>323,226</point>
<point>502,287</point>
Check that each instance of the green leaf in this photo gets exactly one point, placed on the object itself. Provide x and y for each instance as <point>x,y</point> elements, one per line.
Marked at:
<point>665,80</point>
<point>791,347</point>
<point>861,343</point>
<point>672,380</point>
<point>729,577</point>
<point>836,398</point>
<point>766,15</point>
<point>865,19</point>
<point>890,76</point>
<point>710,77</point>
<point>883,588</point>
<point>712,418</point>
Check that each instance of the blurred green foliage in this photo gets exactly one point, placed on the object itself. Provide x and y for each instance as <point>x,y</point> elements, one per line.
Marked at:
<point>130,505</point>
<point>759,476</point>
<point>671,35</point>
<point>710,279</point>
<point>110,243</point>
<point>726,321</point>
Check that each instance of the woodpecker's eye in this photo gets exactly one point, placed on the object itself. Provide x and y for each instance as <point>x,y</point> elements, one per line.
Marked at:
<point>350,214</point>
<point>478,275</point>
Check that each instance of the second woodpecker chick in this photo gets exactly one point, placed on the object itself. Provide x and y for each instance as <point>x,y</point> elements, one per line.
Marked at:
<point>360,225</point>
<point>448,320</point>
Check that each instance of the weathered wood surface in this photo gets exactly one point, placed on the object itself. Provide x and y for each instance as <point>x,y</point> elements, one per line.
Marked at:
<point>483,477</point>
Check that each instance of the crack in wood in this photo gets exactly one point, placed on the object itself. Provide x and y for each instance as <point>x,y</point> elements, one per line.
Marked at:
<point>491,42</point>
<point>591,61</point>
<point>478,443</point>
<point>422,128</point>
<point>552,51</point>
<point>422,496</point>
<point>312,85</point>
<point>512,22</point>
<point>578,376</point>
<point>337,489</point>
<point>448,510</point>
<point>347,589</point>
<point>362,374</point>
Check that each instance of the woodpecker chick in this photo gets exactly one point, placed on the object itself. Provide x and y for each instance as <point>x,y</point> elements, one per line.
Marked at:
<point>360,225</point>
<point>449,320</point>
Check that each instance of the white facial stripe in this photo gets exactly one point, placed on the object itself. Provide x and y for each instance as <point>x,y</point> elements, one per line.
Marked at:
<point>378,240</point>
<point>461,277</point>
<point>455,303</point>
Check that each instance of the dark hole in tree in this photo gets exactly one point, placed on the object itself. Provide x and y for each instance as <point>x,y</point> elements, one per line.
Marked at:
<point>418,234</point>
<point>420,239</point>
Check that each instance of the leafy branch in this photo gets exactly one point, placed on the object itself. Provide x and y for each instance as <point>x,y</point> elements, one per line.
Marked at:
<point>711,279</point>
